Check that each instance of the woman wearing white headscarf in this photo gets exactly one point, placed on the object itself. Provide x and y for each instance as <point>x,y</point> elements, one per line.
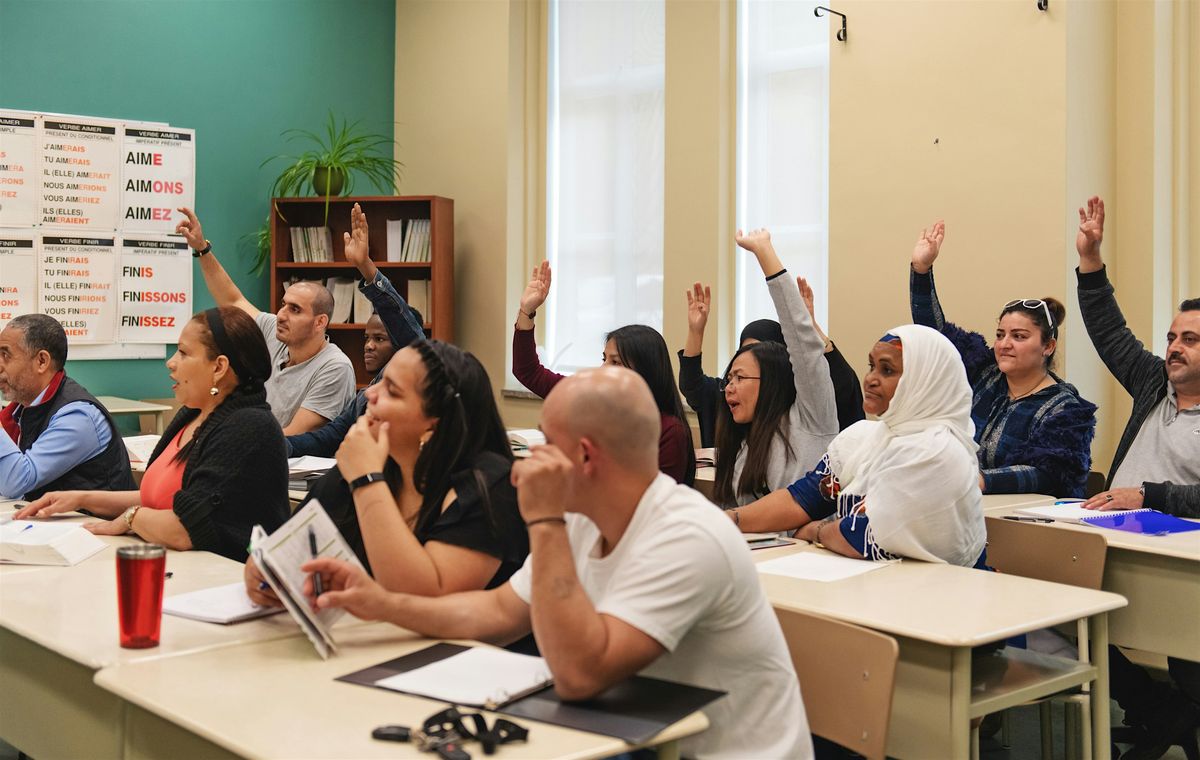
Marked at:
<point>904,484</point>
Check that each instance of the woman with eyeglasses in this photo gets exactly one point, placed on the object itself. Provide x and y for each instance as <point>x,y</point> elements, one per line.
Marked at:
<point>1034,430</point>
<point>638,347</point>
<point>780,412</point>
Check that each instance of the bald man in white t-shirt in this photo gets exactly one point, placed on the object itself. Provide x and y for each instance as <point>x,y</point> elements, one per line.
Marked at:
<point>628,573</point>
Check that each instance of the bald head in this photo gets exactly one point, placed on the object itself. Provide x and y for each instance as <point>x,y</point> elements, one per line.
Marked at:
<point>613,407</point>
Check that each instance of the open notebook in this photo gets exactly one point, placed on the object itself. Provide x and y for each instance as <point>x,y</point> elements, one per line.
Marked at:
<point>43,543</point>
<point>480,677</point>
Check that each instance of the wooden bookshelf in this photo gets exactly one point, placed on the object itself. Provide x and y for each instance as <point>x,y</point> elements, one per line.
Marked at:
<point>439,270</point>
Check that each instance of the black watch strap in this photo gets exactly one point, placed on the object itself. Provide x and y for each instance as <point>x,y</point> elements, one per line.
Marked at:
<point>198,253</point>
<point>365,480</point>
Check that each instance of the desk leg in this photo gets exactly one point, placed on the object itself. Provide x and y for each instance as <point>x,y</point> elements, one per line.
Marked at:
<point>668,750</point>
<point>158,426</point>
<point>960,701</point>
<point>1101,740</point>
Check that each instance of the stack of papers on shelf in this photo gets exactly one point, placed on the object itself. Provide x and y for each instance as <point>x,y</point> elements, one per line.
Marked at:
<point>311,244</point>
<point>220,604</point>
<point>342,289</point>
<point>416,241</point>
<point>418,296</point>
<point>395,240</point>
<point>38,543</point>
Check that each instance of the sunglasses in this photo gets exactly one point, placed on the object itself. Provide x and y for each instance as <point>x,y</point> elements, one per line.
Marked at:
<point>1033,304</point>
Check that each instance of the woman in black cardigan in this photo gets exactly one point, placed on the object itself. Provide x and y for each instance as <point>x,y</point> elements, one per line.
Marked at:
<point>221,466</point>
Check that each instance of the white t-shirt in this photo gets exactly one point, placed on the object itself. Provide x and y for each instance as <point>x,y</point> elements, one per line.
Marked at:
<point>682,574</point>
<point>323,384</point>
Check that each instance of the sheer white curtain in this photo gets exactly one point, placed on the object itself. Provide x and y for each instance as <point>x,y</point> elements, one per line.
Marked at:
<point>604,205</point>
<point>783,146</point>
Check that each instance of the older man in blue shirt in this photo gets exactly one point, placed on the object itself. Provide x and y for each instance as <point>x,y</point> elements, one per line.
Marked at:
<point>55,435</point>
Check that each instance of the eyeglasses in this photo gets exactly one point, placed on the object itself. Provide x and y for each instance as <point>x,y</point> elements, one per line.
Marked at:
<point>725,382</point>
<point>1033,304</point>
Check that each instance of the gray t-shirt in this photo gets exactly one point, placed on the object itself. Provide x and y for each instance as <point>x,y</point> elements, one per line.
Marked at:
<point>324,384</point>
<point>1167,447</point>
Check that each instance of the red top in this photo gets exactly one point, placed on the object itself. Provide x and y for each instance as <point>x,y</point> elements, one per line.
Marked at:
<point>163,478</point>
<point>673,448</point>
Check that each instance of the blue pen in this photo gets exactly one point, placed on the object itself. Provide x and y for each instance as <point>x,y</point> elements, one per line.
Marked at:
<point>1068,501</point>
<point>27,527</point>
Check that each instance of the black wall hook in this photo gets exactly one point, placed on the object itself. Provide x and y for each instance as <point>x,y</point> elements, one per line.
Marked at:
<point>1043,4</point>
<point>841,35</point>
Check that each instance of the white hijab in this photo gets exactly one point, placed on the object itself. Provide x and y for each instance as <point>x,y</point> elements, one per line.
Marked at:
<point>916,465</point>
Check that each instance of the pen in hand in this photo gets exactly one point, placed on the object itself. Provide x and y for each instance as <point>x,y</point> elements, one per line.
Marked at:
<point>312,547</point>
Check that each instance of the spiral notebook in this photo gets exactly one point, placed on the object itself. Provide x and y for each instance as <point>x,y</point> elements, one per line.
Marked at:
<point>1148,522</point>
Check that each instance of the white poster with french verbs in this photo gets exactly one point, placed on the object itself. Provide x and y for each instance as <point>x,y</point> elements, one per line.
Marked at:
<point>18,274</point>
<point>158,171</point>
<point>80,174</point>
<point>154,288</point>
<point>76,277</point>
<point>20,188</point>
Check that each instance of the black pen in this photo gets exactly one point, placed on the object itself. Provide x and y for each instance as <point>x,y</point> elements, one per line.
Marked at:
<point>1014,518</point>
<point>312,547</point>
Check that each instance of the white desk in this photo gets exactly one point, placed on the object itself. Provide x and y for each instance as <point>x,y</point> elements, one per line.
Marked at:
<point>117,405</point>
<point>1004,500</point>
<point>1160,576</point>
<point>279,699</point>
<point>58,626</point>
<point>938,613</point>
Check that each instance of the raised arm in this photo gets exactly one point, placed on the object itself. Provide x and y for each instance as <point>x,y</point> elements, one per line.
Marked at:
<point>805,346</point>
<point>700,391</point>
<point>402,327</point>
<point>527,368</point>
<point>398,559</point>
<point>216,279</point>
<point>847,390</point>
<point>1124,355</point>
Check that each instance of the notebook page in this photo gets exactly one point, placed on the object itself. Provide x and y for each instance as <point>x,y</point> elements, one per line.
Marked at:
<point>479,677</point>
<point>809,566</point>
<point>1065,512</point>
<point>220,604</point>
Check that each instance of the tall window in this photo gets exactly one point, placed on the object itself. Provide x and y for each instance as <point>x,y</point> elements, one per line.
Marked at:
<point>604,168</point>
<point>783,146</point>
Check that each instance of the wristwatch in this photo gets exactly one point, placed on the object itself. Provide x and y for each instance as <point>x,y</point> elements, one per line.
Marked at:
<point>365,480</point>
<point>207,247</point>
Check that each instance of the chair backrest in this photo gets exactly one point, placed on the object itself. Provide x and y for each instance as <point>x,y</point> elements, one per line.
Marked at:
<point>1094,484</point>
<point>847,675</point>
<point>1073,557</point>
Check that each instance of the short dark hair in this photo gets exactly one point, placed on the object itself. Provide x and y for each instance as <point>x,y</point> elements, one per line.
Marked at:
<point>1191,304</point>
<point>43,333</point>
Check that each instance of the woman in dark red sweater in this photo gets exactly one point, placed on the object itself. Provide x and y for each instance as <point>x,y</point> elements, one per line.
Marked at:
<point>638,347</point>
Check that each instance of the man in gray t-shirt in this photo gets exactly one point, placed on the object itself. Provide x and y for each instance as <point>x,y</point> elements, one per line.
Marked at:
<point>311,379</point>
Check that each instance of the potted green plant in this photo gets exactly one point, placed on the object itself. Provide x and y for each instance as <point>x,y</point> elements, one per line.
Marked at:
<point>329,167</point>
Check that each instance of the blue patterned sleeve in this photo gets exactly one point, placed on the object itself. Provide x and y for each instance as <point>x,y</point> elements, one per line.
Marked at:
<point>927,310</point>
<point>812,492</point>
<point>1056,458</point>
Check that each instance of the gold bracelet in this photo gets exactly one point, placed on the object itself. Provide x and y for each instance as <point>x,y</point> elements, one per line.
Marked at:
<point>129,514</point>
<point>817,542</point>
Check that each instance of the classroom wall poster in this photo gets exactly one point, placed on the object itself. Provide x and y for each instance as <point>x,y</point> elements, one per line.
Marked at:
<point>19,185</point>
<point>154,285</point>
<point>18,274</point>
<point>76,276</point>
<point>157,176</point>
<point>80,171</point>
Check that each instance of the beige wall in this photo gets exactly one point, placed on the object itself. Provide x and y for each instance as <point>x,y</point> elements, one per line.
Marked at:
<point>995,116</point>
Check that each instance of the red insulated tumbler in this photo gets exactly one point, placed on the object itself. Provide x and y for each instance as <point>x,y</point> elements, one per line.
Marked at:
<point>140,574</point>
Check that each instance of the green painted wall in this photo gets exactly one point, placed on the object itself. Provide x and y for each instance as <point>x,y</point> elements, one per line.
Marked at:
<point>238,71</point>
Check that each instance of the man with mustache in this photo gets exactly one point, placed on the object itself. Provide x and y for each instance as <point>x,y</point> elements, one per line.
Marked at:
<point>1157,465</point>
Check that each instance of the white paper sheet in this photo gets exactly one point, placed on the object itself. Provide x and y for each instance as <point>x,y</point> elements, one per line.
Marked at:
<point>809,566</point>
<point>478,677</point>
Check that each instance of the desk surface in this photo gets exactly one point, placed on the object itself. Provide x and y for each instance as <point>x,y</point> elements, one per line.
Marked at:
<point>1178,545</point>
<point>1003,500</point>
<point>81,621</point>
<point>941,604</point>
<point>280,684</point>
<point>118,405</point>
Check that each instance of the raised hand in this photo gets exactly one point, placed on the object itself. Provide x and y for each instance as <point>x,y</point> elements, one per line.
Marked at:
<point>537,289</point>
<point>925,252</point>
<point>1091,230</point>
<point>699,300</point>
<point>190,228</point>
<point>755,241</point>
<point>355,241</point>
<point>806,294</point>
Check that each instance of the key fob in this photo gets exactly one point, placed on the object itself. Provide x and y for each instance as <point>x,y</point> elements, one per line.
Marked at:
<point>392,733</point>
<point>452,751</point>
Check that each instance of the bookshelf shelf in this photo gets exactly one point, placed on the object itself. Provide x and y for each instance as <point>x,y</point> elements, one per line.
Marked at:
<point>405,276</point>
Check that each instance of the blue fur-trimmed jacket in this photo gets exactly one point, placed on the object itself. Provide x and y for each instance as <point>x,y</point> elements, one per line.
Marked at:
<point>1037,444</point>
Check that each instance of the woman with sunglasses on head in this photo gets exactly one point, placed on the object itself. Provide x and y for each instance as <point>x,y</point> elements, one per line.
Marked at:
<point>904,484</point>
<point>421,491</point>
<point>638,347</point>
<point>1034,430</point>
<point>779,413</point>
<point>220,467</point>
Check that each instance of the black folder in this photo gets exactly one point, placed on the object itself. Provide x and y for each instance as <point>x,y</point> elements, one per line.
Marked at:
<point>634,710</point>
